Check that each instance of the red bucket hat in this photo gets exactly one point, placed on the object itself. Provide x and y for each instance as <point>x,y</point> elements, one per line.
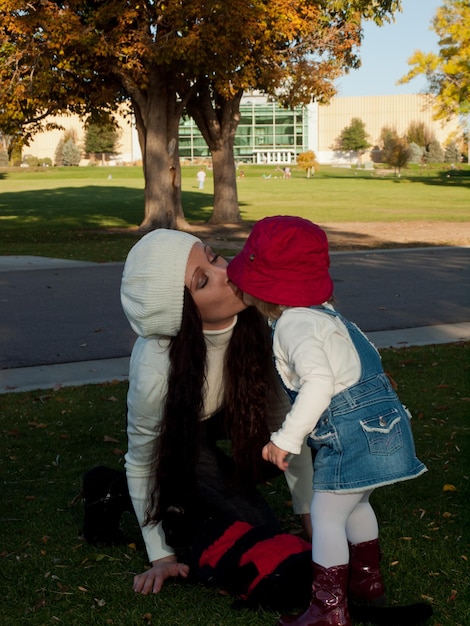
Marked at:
<point>285,260</point>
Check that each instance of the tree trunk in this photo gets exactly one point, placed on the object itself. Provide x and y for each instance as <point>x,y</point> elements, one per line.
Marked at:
<point>218,119</point>
<point>157,118</point>
<point>226,209</point>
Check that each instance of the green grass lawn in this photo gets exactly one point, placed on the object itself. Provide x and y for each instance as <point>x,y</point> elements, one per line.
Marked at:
<point>67,212</point>
<point>49,576</point>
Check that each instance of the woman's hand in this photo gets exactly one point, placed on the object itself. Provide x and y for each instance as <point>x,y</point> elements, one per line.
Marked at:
<point>152,580</point>
<point>277,456</point>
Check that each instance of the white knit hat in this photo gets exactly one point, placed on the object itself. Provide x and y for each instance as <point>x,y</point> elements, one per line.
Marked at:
<point>152,287</point>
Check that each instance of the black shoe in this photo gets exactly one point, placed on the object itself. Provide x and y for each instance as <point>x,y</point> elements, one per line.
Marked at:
<point>106,497</point>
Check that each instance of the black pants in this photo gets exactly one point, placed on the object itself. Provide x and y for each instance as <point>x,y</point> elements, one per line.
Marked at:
<point>219,495</point>
<point>217,485</point>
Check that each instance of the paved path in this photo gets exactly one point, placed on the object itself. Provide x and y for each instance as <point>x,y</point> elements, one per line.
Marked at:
<point>62,322</point>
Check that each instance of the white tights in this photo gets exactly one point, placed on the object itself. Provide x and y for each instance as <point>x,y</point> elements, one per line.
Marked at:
<point>337,519</point>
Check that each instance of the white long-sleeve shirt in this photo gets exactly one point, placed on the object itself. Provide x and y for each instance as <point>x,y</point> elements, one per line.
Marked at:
<point>316,358</point>
<point>148,379</point>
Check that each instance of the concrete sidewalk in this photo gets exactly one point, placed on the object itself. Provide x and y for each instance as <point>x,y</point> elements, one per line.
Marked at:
<point>62,323</point>
<point>107,370</point>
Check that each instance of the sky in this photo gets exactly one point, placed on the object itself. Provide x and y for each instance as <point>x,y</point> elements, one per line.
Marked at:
<point>385,51</point>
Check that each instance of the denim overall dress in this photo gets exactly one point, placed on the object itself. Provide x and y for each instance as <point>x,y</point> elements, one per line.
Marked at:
<point>363,439</point>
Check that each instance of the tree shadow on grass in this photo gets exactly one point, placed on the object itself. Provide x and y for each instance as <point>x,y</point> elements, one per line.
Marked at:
<point>87,207</point>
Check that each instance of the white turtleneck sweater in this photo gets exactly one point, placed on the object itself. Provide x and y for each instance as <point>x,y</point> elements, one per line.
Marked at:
<point>148,379</point>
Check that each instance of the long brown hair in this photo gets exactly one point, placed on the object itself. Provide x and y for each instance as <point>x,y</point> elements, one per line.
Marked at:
<point>248,378</point>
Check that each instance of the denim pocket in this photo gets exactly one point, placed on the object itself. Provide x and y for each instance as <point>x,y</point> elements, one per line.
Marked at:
<point>383,432</point>
<point>324,434</point>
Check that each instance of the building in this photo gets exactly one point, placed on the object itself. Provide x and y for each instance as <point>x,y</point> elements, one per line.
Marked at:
<point>269,133</point>
<point>397,111</point>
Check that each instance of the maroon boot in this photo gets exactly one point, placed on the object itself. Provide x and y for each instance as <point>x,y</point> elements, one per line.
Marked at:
<point>365,580</point>
<point>328,606</point>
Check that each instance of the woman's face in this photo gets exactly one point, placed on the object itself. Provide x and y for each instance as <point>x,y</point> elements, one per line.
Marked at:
<point>217,299</point>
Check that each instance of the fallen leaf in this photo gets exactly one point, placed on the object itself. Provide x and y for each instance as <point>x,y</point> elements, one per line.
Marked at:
<point>100,557</point>
<point>109,439</point>
<point>449,488</point>
<point>453,595</point>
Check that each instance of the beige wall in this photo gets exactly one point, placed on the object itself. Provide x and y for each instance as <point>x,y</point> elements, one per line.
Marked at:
<point>376,112</point>
<point>44,145</point>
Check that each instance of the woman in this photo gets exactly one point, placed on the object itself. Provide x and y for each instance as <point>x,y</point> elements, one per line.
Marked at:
<point>201,370</point>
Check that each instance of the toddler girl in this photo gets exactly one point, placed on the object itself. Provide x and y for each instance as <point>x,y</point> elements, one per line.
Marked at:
<point>341,400</point>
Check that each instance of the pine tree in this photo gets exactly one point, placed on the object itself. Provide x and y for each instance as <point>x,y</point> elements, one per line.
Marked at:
<point>71,153</point>
<point>434,153</point>
<point>101,139</point>
<point>452,153</point>
<point>416,153</point>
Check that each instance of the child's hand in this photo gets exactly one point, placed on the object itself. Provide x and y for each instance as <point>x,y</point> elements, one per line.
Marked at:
<point>274,454</point>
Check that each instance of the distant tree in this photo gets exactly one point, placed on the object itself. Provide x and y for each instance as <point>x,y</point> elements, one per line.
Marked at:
<point>420,134</point>
<point>59,153</point>
<point>101,140</point>
<point>11,143</point>
<point>354,137</point>
<point>417,153</point>
<point>452,153</point>
<point>69,135</point>
<point>34,161</point>
<point>3,158</point>
<point>434,153</point>
<point>447,71</point>
<point>71,154</point>
<point>388,138</point>
<point>399,154</point>
<point>308,161</point>
<point>15,153</point>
